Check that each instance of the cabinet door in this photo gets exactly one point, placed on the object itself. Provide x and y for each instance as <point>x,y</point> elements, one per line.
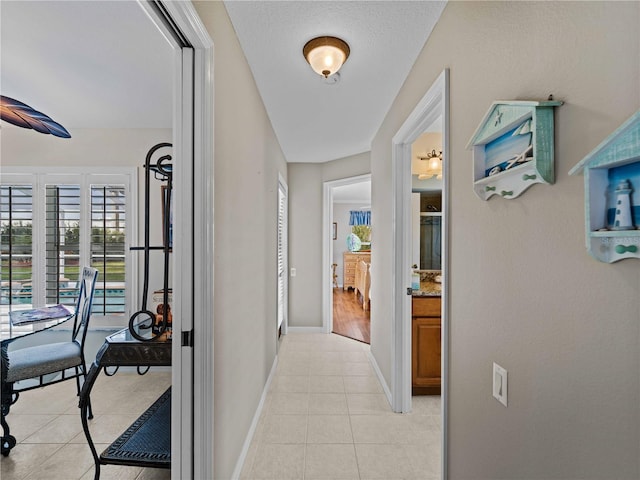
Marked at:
<point>426,340</point>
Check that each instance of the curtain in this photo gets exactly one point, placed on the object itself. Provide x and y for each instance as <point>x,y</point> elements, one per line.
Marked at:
<point>360,217</point>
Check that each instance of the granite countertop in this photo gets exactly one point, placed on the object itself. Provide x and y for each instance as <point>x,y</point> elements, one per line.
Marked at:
<point>428,286</point>
<point>428,289</point>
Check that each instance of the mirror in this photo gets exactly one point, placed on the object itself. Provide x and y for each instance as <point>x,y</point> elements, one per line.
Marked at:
<point>430,230</point>
<point>426,201</point>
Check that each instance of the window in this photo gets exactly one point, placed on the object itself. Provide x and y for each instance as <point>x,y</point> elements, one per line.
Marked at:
<point>51,224</point>
<point>362,231</point>
<point>360,222</point>
<point>62,245</point>
<point>108,233</point>
<point>16,252</point>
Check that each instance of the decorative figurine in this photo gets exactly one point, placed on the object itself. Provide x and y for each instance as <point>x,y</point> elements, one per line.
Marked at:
<point>354,244</point>
<point>166,334</point>
<point>623,218</point>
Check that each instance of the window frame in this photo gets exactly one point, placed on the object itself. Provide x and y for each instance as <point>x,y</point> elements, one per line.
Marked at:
<point>38,178</point>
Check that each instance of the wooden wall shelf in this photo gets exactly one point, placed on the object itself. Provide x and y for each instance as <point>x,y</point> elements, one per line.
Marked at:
<point>612,194</point>
<point>513,148</point>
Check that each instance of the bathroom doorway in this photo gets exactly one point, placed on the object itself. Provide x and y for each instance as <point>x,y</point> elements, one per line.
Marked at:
<point>433,108</point>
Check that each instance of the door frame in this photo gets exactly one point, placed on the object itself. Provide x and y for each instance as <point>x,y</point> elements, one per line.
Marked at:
<point>327,245</point>
<point>434,104</point>
<point>282,187</point>
<point>192,370</point>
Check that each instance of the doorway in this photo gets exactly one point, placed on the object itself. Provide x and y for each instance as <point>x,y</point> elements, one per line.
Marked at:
<point>192,356</point>
<point>434,105</point>
<point>346,278</point>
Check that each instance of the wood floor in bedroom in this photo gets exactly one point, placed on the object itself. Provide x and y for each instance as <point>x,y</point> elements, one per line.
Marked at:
<point>349,318</point>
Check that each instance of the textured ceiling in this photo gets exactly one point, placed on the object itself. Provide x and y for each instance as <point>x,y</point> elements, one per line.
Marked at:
<point>314,121</point>
<point>103,64</point>
<point>87,64</point>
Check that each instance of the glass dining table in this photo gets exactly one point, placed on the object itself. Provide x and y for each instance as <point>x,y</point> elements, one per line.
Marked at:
<point>11,331</point>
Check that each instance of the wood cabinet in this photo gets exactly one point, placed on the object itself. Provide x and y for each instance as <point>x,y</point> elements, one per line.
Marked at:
<point>426,364</point>
<point>349,262</point>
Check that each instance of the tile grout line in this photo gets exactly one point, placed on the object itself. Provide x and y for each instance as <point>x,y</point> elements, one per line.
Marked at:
<point>353,436</point>
<point>304,455</point>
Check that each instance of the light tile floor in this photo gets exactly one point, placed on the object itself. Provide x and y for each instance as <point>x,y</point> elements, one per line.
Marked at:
<point>326,417</point>
<point>51,444</point>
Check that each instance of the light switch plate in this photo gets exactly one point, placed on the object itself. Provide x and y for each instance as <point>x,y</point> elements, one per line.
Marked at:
<point>293,272</point>
<point>500,384</point>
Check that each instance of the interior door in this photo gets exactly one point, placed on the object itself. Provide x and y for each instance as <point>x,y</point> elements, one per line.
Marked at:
<point>167,18</point>
<point>283,232</point>
<point>183,276</point>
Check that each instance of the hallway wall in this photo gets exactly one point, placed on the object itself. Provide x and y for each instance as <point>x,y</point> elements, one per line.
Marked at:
<point>305,232</point>
<point>524,292</point>
<point>248,159</point>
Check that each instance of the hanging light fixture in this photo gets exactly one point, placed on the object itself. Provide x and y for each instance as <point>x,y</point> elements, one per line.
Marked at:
<point>433,166</point>
<point>326,54</point>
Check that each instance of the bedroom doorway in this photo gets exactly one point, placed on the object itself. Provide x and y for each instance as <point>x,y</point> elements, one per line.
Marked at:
<point>347,255</point>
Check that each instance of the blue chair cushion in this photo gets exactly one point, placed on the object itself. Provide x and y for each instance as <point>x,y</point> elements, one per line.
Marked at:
<point>42,359</point>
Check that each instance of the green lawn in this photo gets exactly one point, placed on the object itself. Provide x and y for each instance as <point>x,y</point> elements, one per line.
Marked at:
<point>22,273</point>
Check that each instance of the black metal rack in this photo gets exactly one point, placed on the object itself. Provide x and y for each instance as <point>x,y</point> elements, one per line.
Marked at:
<point>147,442</point>
<point>142,324</point>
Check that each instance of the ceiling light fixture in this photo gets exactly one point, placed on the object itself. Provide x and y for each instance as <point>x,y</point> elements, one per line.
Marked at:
<point>326,54</point>
<point>433,167</point>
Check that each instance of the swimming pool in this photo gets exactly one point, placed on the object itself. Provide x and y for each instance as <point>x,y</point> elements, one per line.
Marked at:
<point>107,300</point>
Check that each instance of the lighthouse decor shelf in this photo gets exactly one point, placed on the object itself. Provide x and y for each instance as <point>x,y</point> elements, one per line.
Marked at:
<point>612,194</point>
<point>513,148</point>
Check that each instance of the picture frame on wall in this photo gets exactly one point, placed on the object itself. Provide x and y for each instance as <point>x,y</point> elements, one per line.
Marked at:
<point>167,200</point>
<point>335,231</point>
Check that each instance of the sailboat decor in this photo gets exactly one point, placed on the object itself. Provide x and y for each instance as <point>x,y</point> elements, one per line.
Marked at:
<point>513,148</point>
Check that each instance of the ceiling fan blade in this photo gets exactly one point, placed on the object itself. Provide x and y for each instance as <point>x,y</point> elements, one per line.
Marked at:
<point>22,115</point>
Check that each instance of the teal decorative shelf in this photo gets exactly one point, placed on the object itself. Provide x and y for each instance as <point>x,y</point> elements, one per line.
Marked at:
<point>513,148</point>
<point>612,194</point>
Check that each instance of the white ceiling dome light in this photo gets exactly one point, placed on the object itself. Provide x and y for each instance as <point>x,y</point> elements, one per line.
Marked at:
<point>326,54</point>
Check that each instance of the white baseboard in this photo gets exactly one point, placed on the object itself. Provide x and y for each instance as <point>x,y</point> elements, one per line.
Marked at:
<point>254,423</point>
<point>305,330</point>
<point>381,379</point>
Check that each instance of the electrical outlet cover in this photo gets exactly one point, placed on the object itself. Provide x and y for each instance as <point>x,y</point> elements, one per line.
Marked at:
<point>500,384</point>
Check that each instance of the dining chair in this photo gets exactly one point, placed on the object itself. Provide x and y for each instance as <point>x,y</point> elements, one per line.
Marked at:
<point>49,363</point>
